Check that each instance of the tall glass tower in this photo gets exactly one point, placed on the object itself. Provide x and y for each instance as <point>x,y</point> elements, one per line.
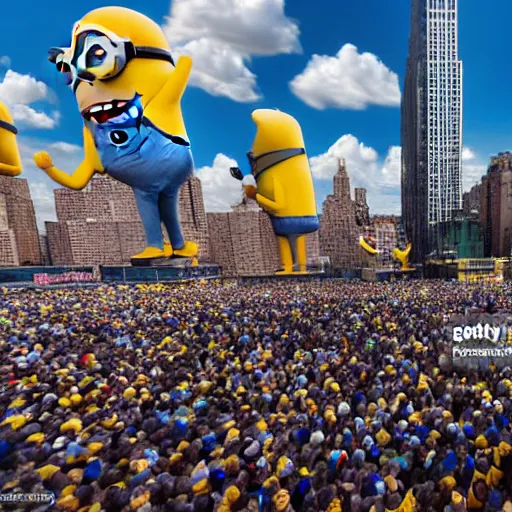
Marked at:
<point>431,124</point>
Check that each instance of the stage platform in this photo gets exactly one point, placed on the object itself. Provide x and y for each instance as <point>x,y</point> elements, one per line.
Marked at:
<point>158,274</point>
<point>372,274</point>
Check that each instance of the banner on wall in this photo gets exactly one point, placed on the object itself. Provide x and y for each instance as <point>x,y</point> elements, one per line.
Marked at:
<point>66,278</point>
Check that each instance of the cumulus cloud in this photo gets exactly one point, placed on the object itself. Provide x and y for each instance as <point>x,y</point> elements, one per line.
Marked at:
<point>381,178</point>
<point>349,80</point>
<point>467,154</point>
<point>220,189</point>
<point>19,92</point>
<point>65,156</point>
<point>223,35</point>
<point>5,61</point>
<point>220,71</point>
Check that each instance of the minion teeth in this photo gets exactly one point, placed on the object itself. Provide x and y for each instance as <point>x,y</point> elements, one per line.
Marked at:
<point>110,111</point>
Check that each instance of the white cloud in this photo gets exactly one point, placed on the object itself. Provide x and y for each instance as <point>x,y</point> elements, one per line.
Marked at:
<point>220,189</point>
<point>467,154</point>
<point>220,71</point>
<point>356,154</point>
<point>5,61</point>
<point>223,35</point>
<point>392,169</point>
<point>380,178</point>
<point>65,147</point>
<point>349,80</point>
<point>65,156</point>
<point>19,92</point>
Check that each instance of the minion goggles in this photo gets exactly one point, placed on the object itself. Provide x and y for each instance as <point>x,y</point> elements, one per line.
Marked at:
<point>8,126</point>
<point>98,54</point>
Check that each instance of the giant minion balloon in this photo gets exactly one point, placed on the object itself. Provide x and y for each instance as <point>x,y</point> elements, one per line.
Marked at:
<point>128,90</point>
<point>10,160</point>
<point>282,184</point>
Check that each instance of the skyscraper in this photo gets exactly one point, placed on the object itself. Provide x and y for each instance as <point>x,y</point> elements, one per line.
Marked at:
<point>431,124</point>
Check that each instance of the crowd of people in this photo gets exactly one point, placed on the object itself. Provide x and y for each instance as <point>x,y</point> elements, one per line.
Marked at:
<point>323,396</point>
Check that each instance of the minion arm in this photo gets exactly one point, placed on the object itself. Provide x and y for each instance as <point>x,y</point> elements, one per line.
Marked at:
<point>84,172</point>
<point>279,201</point>
<point>10,170</point>
<point>175,87</point>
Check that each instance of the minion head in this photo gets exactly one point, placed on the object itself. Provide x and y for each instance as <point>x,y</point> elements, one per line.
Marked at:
<point>275,131</point>
<point>115,54</point>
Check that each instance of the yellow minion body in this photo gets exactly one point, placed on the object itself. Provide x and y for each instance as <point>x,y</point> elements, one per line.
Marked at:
<point>159,84</point>
<point>10,159</point>
<point>119,56</point>
<point>286,188</point>
<point>284,184</point>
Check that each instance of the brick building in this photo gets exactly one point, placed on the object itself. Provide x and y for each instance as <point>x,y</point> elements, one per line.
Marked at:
<point>385,231</point>
<point>362,208</point>
<point>496,206</point>
<point>342,222</point>
<point>472,202</point>
<point>19,237</point>
<point>243,242</point>
<point>101,224</point>
<point>45,251</point>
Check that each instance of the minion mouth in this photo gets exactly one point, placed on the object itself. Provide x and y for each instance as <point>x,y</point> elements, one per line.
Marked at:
<point>103,112</point>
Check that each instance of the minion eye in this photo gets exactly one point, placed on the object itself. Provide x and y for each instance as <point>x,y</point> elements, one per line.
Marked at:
<point>95,56</point>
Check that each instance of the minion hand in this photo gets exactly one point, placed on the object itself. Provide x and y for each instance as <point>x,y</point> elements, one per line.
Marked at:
<point>43,160</point>
<point>249,184</point>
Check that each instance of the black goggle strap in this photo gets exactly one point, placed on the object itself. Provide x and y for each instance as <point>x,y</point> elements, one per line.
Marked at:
<point>147,52</point>
<point>267,160</point>
<point>9,127</point>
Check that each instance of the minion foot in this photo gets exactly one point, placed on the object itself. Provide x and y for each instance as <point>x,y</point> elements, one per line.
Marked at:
<point>190,250</point>
<point>167,250</point>
<point>147,257</point>
<point>284,272</point>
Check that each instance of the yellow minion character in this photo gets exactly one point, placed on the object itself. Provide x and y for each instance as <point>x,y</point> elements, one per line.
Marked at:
<point>10,159</point>
<point>282,184</point>
<point>128,91</point>
<point>402,256</point>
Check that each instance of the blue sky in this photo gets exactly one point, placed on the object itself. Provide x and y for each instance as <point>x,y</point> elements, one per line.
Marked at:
<point>338,67</point>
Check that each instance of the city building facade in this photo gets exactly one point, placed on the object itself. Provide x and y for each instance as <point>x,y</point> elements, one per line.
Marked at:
<point>342,222</point>
<point>496,206</point>
<point>431,124</point>
<point>19,237</point>
<point>462,237</point>
<point>472,202</point>
<point>243,242</point>
<point>384,229</point>
<point>101,225</point>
